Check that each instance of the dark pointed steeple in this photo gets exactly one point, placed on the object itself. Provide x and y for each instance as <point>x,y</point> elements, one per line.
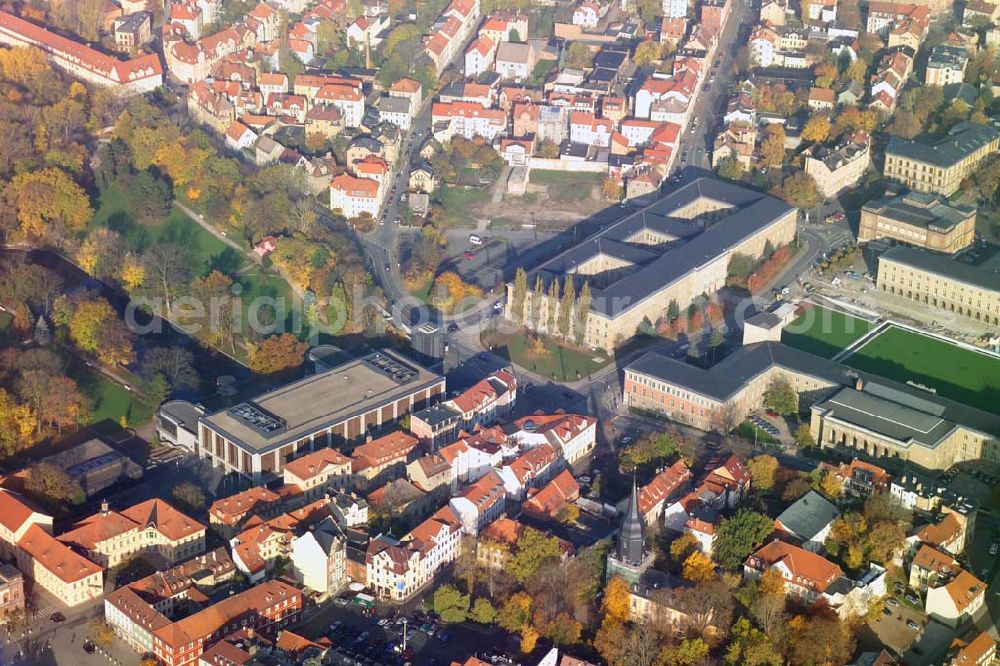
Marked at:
<point>632,535</point>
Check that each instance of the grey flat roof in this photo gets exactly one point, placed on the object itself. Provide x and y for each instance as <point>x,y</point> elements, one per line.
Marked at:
<point>962,139</point>
<point>730,375</point>
<point>921,209</point>
<point>911,407</point>
<point>887,417</point>
<point>313,403</point>
<point>749,213</point>
<point>982,276</point>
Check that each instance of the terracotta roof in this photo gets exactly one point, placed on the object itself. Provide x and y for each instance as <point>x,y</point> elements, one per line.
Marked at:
<point>315,463</point>
<point>213,618</point>
<point>237,130</point>
<point>481,45</point>
<point>485,492</point>
<point>424,536</point>
<point>164,518</point>
<point>355,187</point>
<point>476,396</point>
<point>405,86</point>
<point>555,495</point>
<point>942,532</point>
<point>56,556</point>
<point>98,528</point>
<point>13,511</point>
<point>807,569</point>
<point>529,464</point>
<point>231,509</point>
<point>975,652</point>
<point>503,530</point>
<point>115,71</point>
<point>932,559</point>
<point>663,485</point>
<point>964,589</point>
<point>394,446</point>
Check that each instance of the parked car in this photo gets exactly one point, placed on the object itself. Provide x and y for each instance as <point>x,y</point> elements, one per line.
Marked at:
<point>892,602</point>
<point>912,625</point>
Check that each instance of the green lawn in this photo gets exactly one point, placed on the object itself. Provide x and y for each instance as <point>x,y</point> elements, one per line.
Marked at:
<point>109,400</point>
<point>969,377</point>
<point>203,251</point>
<point>565,186</point>
<point>459,204</point>
<point>561,363</point>
<point>824,332</point>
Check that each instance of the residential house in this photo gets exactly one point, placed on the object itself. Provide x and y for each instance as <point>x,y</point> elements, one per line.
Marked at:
<point>532,468</point>
<point>957,600</point>
<point>664,487</point>
<point>587,130</point>
<point>466,119</point>
<point>548,502</point>
<point>384,458</point>
<point>808,521</point>
<point>862,479</point>
<point>836,169</point>
<point>318,558</point>
<point>354,197</point>
<point>228,514</point>
<point>480,503</point>
<point>807,575</point>
<point>399,569</point>
<point>409,90</point>
<point>946,65</point>
<point>588,14</point>
<point>980,651</point>
<point>239,136</point>
<point>318,472</point>
<point>479,55</point>
<point>422,178</point>
<point>573,436</point>
<point>821,99</point>
<point>930,567</point>
<point>515,60</point>
<point>474,455</point>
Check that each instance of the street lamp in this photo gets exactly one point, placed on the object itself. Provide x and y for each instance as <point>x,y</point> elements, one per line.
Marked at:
<point>404,633</point>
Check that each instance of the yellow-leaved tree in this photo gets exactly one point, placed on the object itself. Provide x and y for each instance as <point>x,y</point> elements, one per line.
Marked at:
<point>49,196</point>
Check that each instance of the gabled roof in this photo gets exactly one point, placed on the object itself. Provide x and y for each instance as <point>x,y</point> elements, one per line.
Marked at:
<point>964,589</point>
<point>807,569</point>
<point>663,486</point>
<point>13,511</point>
<point>316,463</point>
<point>57,557</point>
<point>808,516</point>
<point>554,495</point>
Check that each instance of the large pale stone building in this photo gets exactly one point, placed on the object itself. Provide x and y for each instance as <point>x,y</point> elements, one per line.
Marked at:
<point>940,282</point>
<point>941,166</point>
<point>676,250</point>
<point>856,412</point>
<point>921,220</point>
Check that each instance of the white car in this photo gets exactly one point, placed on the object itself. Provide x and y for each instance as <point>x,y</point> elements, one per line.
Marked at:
<point>994,548</point>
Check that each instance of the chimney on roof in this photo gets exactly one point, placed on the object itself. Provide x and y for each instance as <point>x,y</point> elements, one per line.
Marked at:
<point>859,384</point>
<point>105,507</point>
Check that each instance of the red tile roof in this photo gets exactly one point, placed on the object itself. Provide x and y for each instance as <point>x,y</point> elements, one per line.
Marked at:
<point>555,495</point>
<point>316,463</point>
<point>113,70</point>
<point>663,485</point>
<point>56,556</point>
<point>808,569</point>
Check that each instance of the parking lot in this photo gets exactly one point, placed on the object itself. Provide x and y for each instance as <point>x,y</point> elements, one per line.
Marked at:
<point>377,639</point>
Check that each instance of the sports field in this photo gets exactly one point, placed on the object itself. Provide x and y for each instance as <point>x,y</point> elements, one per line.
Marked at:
<point>824,332</point>
<point>969,377</point>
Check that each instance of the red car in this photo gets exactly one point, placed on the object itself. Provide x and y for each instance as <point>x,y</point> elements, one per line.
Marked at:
<point>469,255</point>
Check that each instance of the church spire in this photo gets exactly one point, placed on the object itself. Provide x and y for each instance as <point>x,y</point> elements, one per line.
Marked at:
<point>632,535</point>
